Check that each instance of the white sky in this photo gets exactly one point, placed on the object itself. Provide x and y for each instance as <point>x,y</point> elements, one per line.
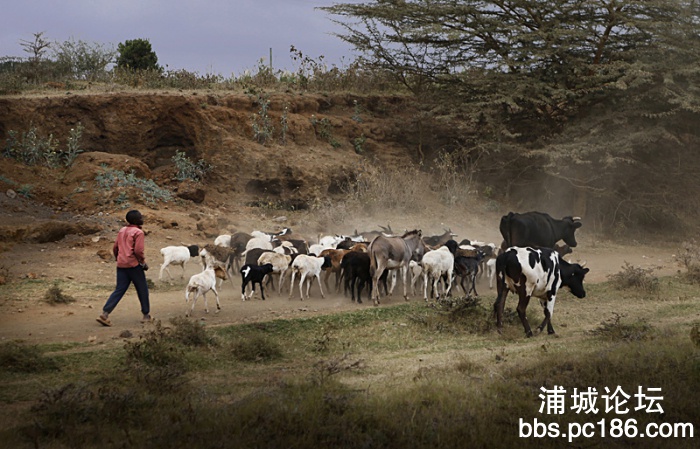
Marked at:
<point>224,37</point>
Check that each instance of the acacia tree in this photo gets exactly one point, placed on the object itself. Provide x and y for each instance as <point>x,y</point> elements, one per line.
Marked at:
<point>83,60</point>
<point>527,79</point>
<point>516,59</point>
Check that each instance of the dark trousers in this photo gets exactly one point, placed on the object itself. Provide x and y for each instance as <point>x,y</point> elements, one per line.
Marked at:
<point>125,276</point>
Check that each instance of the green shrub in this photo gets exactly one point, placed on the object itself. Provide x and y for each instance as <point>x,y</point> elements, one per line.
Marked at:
<point>31,148</point>
<point>110,180</point>
<point>359,143</point>
<point>262,123</point>
<point>20,358</point>
<point>186,169</point>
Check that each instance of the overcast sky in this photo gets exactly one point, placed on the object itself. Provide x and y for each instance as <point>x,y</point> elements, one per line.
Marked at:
<point>224,37</point>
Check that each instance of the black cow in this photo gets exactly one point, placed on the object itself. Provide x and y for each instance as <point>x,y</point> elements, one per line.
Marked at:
<point>539,273</point>
<point>537,229</point>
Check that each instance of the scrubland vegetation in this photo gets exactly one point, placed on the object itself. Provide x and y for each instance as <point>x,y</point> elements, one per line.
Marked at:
<point>408,375</point>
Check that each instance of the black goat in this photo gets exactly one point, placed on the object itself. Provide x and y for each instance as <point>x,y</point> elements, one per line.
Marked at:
<point>254,274</point>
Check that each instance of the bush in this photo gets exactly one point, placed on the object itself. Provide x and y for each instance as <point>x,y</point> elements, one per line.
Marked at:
<point>689,258</point>
<point>635,277</point>
<point>31,148</point>
<point>614,330</point>
<point>109,180</point>
<point>19,358</point>
<point>157,360</point>
<point>55,295</point>
<point>78,414</point>
<point>262,123</point>
<point>455,314</point>
<point>83,60</point>
<point>256,349</point>
<point>186,169</point>
<point>190,333</point>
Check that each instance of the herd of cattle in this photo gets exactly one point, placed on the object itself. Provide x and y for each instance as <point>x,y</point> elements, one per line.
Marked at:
<point>529,262</point>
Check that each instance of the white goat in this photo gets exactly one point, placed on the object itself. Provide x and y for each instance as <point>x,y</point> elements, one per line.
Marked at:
<point>221,256</point>
<point>330,241</point>
<point>437,263</point>
<point>223,240</point>
<point>203,282</point>
<point>286,248</point>
<point>415,269</point>
<point>280,265</point>
<point>175,255</point>
<point>316,248</point>
<point>257,242</point>
<point>308,266</point>
<point>491,271</point>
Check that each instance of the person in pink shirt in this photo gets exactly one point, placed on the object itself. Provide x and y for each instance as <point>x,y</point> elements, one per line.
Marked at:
<point>131,267</point>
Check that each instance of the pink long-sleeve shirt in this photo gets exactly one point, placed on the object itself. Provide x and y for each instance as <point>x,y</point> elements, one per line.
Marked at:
<point>129,247</point>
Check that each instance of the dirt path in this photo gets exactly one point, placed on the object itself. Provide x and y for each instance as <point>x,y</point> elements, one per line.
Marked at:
<point>35,321</point>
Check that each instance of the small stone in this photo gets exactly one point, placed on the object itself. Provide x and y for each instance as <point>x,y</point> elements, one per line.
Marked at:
<point>126,334</point>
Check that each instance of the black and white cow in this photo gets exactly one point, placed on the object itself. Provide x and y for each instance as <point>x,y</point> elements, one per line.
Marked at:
<point>539,273</point>
<point>537,229</point>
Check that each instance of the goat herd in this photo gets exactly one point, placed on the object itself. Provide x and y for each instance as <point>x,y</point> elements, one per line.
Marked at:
<point>529,262</point>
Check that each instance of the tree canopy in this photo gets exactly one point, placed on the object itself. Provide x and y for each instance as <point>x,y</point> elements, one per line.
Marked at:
<point>570,98</point>
<point>137,54</point>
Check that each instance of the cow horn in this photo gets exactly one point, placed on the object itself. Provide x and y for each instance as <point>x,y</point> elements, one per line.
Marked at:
<point>576,218</point>
<point>583,264</point>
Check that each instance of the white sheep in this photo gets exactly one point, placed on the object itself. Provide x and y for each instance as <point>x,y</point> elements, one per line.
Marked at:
<point>308,266</point>
<point>203,282</point>
<point>176,255</point>
<point>280,264</point>
<point>436,264</point>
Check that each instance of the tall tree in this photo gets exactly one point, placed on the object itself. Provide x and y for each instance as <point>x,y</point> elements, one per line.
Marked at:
<point>520,61</point>
<point>576,99</point>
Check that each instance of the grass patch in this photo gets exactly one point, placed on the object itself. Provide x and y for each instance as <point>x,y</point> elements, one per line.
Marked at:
<point>375,377</point>
<point>22,358</point>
